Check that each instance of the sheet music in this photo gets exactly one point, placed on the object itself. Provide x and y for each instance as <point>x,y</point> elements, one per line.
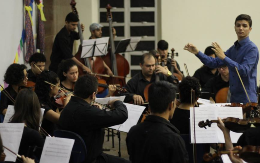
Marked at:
<point>100,48</point>
<point>10,112</point>
<point>133,43</point>
<point>11,134</point>
<point>107,99</point>
<point>56,150</point>
<point>134,113</point>
<point>226,159</point>
<point>213,134</point>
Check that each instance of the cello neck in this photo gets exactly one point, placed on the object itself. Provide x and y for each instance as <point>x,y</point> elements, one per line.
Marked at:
<point>112,44</point>
<point>80,33</point>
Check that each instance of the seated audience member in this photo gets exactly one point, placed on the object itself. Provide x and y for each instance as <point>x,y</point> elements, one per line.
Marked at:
<point>16,77</point>
<point>89,121</point>
<point>156,139</point>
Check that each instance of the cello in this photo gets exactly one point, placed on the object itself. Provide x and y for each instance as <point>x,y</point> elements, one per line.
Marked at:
<point>117,63</point>
<point>172,67</point>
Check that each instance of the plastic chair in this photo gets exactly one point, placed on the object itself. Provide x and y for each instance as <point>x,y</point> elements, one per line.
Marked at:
<point>79,150</point>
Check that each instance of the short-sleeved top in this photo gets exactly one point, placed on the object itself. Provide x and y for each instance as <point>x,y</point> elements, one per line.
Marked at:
<point>4,100</point>
<point>203,74</point>
<point>62,47</point>
<point>181,120</point>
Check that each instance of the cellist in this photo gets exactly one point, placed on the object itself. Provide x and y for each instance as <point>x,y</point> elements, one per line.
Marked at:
<point>63,43</point>
<point>137,84</point>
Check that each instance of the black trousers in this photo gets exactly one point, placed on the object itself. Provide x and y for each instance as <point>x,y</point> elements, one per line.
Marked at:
<point>105,158</point>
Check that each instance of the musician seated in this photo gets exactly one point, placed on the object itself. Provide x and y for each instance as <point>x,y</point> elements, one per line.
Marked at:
<point>47,86</point>
<point>218,82</point>
<point>137,84</point>
<point>89,121</point>
<point>27,110</point>
<point>249,137</point>
<point>162,48</point>
<point>16,77</point>
<point>181,117</point>
<point>156,139</point>
<point>68,74</point>
<point>37,62</point>
<point>205,73</point>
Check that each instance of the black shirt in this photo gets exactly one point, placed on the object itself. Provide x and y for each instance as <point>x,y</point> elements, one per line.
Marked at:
<point>30,138</point>
<point>88,121</point>
<point>62,47</point>
<point>4,100</point>
<point>203,74</point>
<point>181,120</point>
<point>47,125</point>
<point>250,137</point>
<point>155,140</point>
<point>214,85</point>
<point>137,84</point>
<point>31,76</point>
<point>62,86</point>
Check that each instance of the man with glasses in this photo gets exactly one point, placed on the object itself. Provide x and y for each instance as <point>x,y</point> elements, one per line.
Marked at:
<point>241,58</point>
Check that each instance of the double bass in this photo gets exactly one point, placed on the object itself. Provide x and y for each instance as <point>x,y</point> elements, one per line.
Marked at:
<point>117,63</point>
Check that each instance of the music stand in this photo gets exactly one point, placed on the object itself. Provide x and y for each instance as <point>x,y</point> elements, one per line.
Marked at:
<point>122,45</point>
<point>133,44</point>
<point>94,47</point>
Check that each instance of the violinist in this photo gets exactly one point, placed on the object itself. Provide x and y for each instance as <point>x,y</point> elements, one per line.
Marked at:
<point>205,73</point>
<point>181,117</point>
<point>243,55</point>
<point>27,110</point>
<point>68,74</point>
<point>16,77</point>
<point>156,139</point>
<point>37,62</point>
<point>63,43</point>
<point>162,48</point>
<point>96,32</point>
<point>137,84</point>
<point>216,83</point>
<point>46,93</point>
<point>89,121</point>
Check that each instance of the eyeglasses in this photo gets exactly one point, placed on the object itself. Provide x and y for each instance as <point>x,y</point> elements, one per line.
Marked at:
<point>223,67</point>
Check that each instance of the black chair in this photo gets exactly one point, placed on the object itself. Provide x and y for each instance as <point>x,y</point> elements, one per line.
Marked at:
<point>79,150</point>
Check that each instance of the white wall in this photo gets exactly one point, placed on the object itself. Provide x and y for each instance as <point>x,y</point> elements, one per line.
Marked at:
<point>202,22</point>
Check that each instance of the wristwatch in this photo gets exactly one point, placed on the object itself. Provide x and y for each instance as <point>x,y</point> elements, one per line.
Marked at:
<point>169,73</point>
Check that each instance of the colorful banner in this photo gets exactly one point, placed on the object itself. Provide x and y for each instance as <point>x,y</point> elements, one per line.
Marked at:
<point>20,47</point>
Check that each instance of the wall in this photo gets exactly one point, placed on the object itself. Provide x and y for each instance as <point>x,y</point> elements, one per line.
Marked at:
<point>202,22</point>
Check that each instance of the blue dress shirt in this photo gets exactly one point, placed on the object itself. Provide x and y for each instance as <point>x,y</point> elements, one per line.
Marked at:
<point>244,55</point>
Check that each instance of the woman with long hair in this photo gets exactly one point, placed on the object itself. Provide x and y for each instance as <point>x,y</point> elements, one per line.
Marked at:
<point>28,111</point>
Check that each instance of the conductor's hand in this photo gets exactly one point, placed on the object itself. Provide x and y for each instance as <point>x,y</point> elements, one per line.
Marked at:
<point>191,48</point>
<point>218,51</point>
<point>138,100</point>
<point>86,69</point>
<point>82,27</point>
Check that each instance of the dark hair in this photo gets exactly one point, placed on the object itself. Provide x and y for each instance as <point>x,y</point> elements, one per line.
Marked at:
<point>160,95</point>
<point>149,55</point>
<point>185,87</point>
<point>14,74</point>
<point>27,109</point>
<point>71,17</point>
<point>37,57</point>
<point>43,89</point>
<point>208,51</point>
<point>153,52</point>
<point>162,45</point>
<point>65,66</point>
<point>244,17</point>
<point>85,86</point>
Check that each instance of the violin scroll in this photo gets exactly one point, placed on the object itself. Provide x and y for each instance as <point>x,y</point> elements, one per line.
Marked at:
<point>204,124</point>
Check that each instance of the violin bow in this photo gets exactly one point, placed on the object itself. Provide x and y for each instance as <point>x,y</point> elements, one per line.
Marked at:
<point>186,69</point>
<point>19,156</point>
<point>68,92</point>
<point>45,132</point>
<point>7,94</point>
<point>243,85</point>
<point>37,67</point>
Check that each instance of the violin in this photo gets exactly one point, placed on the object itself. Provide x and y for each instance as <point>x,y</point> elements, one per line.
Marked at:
<point>103,106</point>
<point>233,124</point>
<point>249,153</point>
<point>31,84</point>
<point>118,88</point>
<point>172,67</point>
